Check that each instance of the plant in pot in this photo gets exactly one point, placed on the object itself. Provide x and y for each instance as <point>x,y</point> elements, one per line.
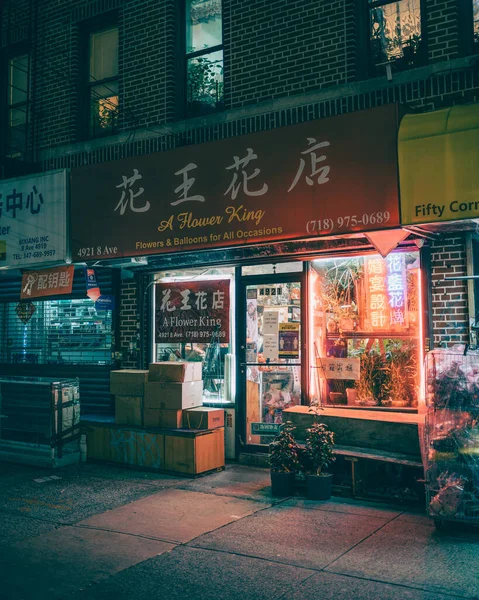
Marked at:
<point>319,452</point>
<point>283,460</point>
<point>403,374</point>
<point>373,384</point>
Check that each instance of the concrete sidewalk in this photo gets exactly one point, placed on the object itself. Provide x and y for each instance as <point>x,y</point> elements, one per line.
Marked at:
<point>101,532</point>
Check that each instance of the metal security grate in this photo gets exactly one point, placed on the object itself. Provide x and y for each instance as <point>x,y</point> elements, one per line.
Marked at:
<point>59,332</point>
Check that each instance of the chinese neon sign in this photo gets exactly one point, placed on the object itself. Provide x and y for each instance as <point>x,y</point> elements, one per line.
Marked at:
<point>386,292</point>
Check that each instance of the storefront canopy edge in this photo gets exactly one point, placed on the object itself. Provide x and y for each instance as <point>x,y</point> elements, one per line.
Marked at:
<point>439,165</point>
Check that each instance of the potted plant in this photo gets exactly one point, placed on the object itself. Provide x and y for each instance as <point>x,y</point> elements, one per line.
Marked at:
<point>373,384</point>
<point>283,460</point>
<point>319,451</point>
<point>403,374</point>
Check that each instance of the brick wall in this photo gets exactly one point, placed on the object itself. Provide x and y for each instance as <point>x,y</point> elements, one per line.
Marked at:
<point>286,62</point>
<point>128,324</point>
<point>449,298</point>
<point>274,50</point>
<point>443,29</point>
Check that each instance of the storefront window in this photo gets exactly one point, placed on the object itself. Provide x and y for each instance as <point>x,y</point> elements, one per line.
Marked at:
<point>194,321</point>
<point>56,332</point>
<point>365,331</point>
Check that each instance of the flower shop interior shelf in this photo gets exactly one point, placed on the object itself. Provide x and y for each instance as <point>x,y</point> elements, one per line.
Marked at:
<point>39,421</point>
<point>451,436</point>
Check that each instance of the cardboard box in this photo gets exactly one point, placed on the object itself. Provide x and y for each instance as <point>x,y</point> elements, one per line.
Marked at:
<point>157,417</point>
<point>195,452</point>
<point>129,382</point>
<point>203,418</point>
<point>176,372</point>
<point>129,410</point>
<point>70,418</point>
<point>173,396</point>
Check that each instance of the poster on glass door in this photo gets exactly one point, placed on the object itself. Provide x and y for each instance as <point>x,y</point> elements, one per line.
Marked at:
<point>288,340</point>
<point>194,311</point>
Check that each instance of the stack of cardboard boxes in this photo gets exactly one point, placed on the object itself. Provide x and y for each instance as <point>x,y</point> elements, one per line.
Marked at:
<point>128,387</point>
<point>167,397</point>
<point>172,387</point>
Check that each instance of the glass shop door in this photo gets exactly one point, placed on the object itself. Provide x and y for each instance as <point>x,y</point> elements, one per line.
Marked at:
<point>271,352</point>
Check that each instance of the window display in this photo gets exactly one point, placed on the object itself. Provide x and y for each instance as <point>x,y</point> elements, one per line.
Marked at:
<point>193,321</point>
<point>365,325</point>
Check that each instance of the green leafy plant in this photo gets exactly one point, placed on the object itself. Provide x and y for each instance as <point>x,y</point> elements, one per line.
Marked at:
<point>375,380</point>
<point>319,448</point>
<point>204,80</point>
<point>401,359</point>
<point>283,451</point>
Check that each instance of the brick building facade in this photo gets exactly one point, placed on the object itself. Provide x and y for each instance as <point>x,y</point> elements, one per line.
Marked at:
<point>284,62</point>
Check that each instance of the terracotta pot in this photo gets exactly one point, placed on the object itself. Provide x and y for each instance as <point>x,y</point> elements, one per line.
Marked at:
<point>352,395</point>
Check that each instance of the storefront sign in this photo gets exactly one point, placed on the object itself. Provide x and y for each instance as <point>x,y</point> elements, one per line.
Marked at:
<point>438,164</point>
<point>195,311</point>
<point>92,287</point>
<point>47,282</point>
<point>396,286</point>
<point>339,368</point>
<point>265,428</point>
<point>324,177</point>
<point>375,270</point>
<point>386,292</point>
<point>105,302</point>
<point>33,220</point>
<point>288,340</point>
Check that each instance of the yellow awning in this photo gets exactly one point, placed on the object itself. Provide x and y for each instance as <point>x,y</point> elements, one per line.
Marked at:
<point>439,165</point>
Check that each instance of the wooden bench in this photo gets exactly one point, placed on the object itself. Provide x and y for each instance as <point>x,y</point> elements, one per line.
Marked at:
<point>352,454</point>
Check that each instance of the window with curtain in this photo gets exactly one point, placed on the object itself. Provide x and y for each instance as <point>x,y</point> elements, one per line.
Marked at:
<point>103,81</point>
<point>395,35</point>
<point>204,56</point>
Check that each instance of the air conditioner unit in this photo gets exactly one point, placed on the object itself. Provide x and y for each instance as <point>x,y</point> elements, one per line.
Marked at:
<point>125,263</point>
<point>230,433</point>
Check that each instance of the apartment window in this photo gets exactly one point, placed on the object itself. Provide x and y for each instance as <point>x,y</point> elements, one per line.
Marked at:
<point>204,56</point>
<point>395,35</point>
<point>103,81</point>
<point>17,106</point>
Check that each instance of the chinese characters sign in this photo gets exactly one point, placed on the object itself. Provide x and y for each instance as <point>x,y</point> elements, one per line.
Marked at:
<point>296,182</point>
<point>47,282</point>
<point>33,220</point>
<point>196,311</point>
<point>377,297</point>
<point>339,368</point>
<point>386,292</point>
<point>396,283</point>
